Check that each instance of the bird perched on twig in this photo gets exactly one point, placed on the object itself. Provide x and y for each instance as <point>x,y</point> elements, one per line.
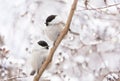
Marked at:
<point>54,26</point>
<point>39,54</point>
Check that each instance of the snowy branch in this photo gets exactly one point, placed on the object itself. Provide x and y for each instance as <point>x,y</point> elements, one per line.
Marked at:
<point>101,7</point>
<point>12,78</point>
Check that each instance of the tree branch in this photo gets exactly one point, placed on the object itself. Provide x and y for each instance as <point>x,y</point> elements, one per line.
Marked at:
<point>59,39</point>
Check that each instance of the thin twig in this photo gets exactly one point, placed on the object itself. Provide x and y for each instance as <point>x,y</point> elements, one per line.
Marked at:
<point>101,7</point>
<point>59,39</point>
<point>11,78</point>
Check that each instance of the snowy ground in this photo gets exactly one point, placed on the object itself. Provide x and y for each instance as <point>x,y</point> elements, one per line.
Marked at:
<point>92,55</point>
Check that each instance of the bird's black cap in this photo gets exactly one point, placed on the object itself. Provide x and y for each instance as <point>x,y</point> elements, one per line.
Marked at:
<point>49,19</point>
<point>43,44</point>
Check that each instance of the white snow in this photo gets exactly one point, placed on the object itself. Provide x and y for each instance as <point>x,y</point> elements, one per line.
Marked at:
<point>93,52</point>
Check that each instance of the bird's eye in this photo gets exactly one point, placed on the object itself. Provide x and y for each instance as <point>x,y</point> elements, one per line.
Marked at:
<point>46,23</point>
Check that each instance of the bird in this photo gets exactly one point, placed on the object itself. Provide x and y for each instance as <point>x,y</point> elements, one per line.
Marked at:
<point>54,26</point>
<point>39,54</point>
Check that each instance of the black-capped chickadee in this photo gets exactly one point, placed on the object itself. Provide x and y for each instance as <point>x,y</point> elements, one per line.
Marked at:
<point>54,25</point>
<point>39,54</point>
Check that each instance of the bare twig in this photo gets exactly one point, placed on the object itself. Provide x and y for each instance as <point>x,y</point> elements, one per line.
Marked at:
<point>105,1</point>
<point>11,78</point>
<point>59,39</point>
<point>100,7</point>
<point>86,4</point>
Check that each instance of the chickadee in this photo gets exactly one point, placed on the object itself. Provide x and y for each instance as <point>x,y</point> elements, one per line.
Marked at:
<point>54,25</point>
<point>39,54</point>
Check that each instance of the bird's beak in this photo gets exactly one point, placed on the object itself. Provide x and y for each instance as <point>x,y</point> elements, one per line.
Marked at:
<point>46,24</point>
<point>47,47</point>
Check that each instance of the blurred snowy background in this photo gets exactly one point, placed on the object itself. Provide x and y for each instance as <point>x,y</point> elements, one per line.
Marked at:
<point>93,55</point>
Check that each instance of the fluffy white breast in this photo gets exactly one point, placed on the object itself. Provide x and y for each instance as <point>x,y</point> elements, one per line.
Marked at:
<point>38,56</point>
<point>52,31</point>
